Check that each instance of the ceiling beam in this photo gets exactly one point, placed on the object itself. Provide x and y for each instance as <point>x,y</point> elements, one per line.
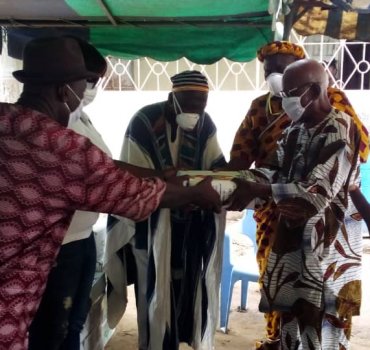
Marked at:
<point>107,12</point>
<point>12,22</point>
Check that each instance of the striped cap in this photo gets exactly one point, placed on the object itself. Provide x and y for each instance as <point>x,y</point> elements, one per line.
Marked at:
<point>189,80</point>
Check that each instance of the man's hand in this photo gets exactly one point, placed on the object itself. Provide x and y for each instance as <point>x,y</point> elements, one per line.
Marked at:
<point>241,197</point>
<point>201,196</point>
<point>205,197</point>
<point>245,192</point>
<point>169,175</point>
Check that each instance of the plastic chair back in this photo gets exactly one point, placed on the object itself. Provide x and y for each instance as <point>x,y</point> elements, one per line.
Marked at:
<point>365,180</point>
<point>245,271</point>
<point>249,228</point>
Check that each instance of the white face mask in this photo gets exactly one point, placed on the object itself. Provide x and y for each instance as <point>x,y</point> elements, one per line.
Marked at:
<point>275,83</point>
<point>89,95</point>
<point>186,121</point>
<point>293,107</point>
<point>75,115</point>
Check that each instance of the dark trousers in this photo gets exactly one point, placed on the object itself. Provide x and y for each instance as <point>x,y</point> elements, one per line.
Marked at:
<point>66,300</point>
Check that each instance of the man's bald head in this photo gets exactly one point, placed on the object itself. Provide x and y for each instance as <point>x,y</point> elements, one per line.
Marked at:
<point>304,72</point>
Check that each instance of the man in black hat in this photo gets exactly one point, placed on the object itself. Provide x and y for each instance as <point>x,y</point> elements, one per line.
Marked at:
<point>70,280</point>
<point>47,172</point>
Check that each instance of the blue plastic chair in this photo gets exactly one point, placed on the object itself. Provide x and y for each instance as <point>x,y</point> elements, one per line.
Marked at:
<point>245,271</point>
<point>365,189</point>
<point>365,180</point>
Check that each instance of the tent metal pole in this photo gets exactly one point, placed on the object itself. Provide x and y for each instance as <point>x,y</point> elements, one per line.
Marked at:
<point>107,12</point>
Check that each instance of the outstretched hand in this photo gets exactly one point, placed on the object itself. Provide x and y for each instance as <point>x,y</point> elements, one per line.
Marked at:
<point>246,191</point>
<point>241,197</point>
<point>169,175</point>
<point>206,197</point>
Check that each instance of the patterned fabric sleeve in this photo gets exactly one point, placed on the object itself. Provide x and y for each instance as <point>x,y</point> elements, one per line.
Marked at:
<point>244,144</point>
<point>324,181</point>
<point>339,100</point>
<point>91,181</point>
<point>319,190</point>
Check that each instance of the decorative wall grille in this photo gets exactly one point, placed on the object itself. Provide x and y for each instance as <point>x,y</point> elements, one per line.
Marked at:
<point>353,68</point>
<point>145,74</point>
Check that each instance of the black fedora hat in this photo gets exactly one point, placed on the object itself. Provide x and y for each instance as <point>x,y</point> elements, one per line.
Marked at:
<point>53,60</point>
<point>94,60</point>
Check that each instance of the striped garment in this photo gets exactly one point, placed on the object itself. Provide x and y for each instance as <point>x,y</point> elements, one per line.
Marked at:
<point>180,251</point>
<point>314,265</point>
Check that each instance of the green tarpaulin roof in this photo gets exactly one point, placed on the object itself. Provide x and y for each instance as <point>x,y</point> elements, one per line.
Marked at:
<point>202,30</point>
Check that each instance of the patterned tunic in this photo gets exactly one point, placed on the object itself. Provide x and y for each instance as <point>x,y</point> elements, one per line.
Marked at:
<point>313,265</point>
<point>46,173</point>
<point>256,141</point>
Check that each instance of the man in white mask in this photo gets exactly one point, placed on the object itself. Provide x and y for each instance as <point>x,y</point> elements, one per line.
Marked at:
<point>313,274</point>
<point>256,141</point>
<point>70,281</point>
<point>177,253</point>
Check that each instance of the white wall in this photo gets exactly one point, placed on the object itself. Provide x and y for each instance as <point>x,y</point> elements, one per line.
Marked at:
<point>112,110</point>
<point>360,101</point>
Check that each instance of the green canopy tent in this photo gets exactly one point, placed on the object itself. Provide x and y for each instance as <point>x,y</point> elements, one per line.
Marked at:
<point>204,31</point>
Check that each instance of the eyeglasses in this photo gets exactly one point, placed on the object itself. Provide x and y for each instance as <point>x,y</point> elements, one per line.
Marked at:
<point>293,92</point>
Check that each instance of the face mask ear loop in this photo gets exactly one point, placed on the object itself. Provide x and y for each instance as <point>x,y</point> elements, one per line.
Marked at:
<point>308,104</point>
<point>65,103</point>
<point>69,110</point>
<point>176,103</point>
<point>305,92</point>
<point>75,95</point>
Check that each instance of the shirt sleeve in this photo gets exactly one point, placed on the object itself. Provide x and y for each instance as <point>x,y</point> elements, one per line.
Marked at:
<point>244,144</point>
<point>335,162</point>
<point>91,181</point>
<point>340,101</point>
<point>318,189</point>
<point>313,195</point>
